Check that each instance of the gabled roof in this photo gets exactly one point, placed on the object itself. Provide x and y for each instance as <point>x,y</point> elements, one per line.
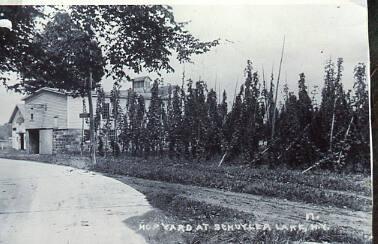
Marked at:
<point>141,78</point>
<point>18,107</point>
<point>53,90</point>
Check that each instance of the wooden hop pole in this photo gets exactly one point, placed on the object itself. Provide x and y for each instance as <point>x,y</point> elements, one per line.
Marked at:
<point>275,97</point>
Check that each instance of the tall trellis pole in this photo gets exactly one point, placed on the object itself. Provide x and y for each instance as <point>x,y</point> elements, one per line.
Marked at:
<point>275,97</point>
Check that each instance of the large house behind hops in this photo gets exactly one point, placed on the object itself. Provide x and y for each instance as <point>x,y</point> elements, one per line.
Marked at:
<point>48,122</point>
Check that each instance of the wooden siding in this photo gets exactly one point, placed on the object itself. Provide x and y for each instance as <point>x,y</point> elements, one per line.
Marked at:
<point>74,108</point>
<point>20,127</point>
<point>45,106</point>
<point>17,128</point>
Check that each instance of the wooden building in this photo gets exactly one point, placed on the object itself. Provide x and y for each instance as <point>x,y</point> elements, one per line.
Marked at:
<point>49,120</point>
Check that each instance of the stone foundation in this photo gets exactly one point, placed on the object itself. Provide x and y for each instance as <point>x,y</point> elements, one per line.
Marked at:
<point>66,141</point>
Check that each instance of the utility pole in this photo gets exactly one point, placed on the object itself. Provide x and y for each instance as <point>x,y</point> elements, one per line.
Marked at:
<point>90,103</point>
<point>82,134</point>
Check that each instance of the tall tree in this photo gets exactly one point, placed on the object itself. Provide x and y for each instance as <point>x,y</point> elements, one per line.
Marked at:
<point>65,53</point>
<point>100,101</point>
<point>139,36</point>
<point>141,133</point>
<point>63,63</point>
<point>176,120</point>
<point>304,103</point>
<point>133,124</point>
<point>361,101</point>
<point>223,111</point>
<point>154,120</point>
<point>124,135</point>
<point>169,124</point>
<point>188,118</point>
<point>214,127</point>
<point>288,127</point>
<point>116,115</point>
<point>356,141</point>
<point>201,120</point>
<point>343,108</point>
<point>335,111</point>
<point>234,127</point>
<point>251,116</point>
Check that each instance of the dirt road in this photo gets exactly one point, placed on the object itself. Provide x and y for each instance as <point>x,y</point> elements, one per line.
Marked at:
<point>43,203</point>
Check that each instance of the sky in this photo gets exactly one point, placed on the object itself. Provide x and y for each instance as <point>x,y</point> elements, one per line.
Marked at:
<point>314,32</point>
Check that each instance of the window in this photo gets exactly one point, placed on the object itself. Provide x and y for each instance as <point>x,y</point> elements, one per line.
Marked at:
<point>105,111</point>
<point>138,84</point>
<point>31,116</point>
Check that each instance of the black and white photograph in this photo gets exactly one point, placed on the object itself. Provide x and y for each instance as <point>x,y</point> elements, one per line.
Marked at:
<point>187,122</point>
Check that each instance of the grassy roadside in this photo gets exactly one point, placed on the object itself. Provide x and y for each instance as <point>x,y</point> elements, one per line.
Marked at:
<point>173,208</point>
<point>73,160</point>
<point>178,210</point>
<point>323,188</point>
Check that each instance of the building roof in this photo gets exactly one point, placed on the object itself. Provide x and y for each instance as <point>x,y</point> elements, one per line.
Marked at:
<point>18,107</point>
<point>141,78</point>
<point>53,90</point>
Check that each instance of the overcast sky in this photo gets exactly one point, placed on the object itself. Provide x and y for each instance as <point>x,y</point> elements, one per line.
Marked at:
<point>313,32</point>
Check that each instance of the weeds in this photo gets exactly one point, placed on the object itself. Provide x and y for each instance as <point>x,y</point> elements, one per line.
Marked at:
<point>328,189</point>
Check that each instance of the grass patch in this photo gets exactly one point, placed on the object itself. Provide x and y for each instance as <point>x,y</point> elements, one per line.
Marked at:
<point>317,187</point>
<point>327,189</point>
<point>178,210</point>
<point>74,160</point>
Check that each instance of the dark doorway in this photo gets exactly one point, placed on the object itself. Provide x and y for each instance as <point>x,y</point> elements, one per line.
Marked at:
<point>34,141</point>
<point>22,141</point>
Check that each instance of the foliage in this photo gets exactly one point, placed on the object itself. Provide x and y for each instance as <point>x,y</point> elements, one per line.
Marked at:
<point>154,121</point>
<point>190,122</point>
<point>175,120</point>
<point>115,148</point>
<point>5,131</point>
<point>133,37</point>
<point>63,57</point>
<point>324,188</point>
<point>139,36</point>
<point>116,112</point>
<point>101,149</point>
<point>16,46</point>
<point>100,101</point>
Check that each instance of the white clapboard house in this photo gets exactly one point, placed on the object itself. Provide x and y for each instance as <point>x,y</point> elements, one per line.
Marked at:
<point>48,121</point>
